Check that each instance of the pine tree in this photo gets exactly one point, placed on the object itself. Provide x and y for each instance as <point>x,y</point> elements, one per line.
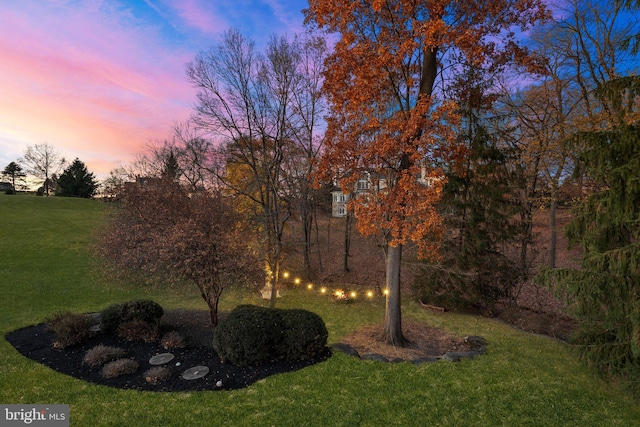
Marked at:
<point>14,171</point>
<point>76,181</point>
<point>171,167</point>
<point>477,207</point>
<point>604,295</point>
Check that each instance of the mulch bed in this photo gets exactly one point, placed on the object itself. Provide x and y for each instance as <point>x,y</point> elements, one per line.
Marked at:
<point>36,343</point>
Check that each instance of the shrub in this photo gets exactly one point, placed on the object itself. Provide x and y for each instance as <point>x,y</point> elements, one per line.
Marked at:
<point>253,335</point>
<point>119,367</point>
<point>138,330</point>
<point>70,328</point>
<point>101,354</point>
<point>172,340</point>
<point>144,310</point>
<point>157,374</point>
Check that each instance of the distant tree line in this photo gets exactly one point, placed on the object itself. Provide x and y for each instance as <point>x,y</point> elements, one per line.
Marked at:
<point>43,162</point>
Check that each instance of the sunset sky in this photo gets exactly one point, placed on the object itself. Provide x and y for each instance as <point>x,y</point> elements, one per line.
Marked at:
<point>99,80</point>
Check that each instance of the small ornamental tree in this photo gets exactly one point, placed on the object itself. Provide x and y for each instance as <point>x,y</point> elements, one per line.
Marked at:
<point>386,120</point>
<point>165,232</point>
<point>76,181</point>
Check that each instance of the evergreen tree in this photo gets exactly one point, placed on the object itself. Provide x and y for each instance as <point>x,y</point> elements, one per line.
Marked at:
<point>14,171</point>
<point>171,168</point>
<point>76,181</point>
<point>477,208</point>
<point>604,295</point>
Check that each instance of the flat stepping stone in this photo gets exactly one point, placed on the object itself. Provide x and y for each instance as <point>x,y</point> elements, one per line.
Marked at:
<point>195,372</point>
<point>161,359</point>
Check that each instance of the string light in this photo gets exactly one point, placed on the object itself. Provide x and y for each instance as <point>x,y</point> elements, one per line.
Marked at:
<point>339,294</point>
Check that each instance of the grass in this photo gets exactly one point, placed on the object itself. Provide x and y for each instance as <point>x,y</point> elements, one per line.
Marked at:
<point>523,380</point>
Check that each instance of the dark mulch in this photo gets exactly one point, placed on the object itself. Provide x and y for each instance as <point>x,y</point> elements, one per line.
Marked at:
<point>36,343</point>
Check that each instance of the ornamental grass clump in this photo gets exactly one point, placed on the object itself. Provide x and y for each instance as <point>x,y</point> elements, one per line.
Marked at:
<point>70,328</point>
<point>157,374</point>
<point>119,367</point>
<point>172,340</point>
<point>101,354</point>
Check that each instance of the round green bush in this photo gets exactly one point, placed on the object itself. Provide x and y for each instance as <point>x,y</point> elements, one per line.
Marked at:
<point>140,310</point>
<point>253,335</point>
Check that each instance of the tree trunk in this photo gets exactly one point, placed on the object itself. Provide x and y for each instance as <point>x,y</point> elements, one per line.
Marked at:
<point>307,215</point>
<point>553,233</point>
<point>393,319</point>
<point>347,241</point>
<point>318,247</point>
<point>211,297</point>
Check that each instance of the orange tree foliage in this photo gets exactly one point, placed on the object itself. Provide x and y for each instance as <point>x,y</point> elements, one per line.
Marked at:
<point>380,83</point>
<point>385,116</point>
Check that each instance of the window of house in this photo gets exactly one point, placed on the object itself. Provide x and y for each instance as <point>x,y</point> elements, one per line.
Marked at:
<point>362,185</point>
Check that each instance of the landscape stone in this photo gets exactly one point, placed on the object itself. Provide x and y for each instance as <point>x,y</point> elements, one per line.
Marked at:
<point>421,360</point>
<point>346,348</point>
<point>375,357</point>
<point>456,356</point>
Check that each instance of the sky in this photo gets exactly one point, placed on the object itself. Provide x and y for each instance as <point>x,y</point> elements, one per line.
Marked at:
<point>101,79</point>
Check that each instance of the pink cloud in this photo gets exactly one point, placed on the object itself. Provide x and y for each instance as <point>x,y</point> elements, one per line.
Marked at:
<point>200,15</point>
<point>91,84</point>
<point>100,79</point>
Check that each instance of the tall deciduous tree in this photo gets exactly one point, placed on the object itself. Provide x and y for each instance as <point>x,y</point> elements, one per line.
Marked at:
<point>14,171</point>
<point>43,161</point>
<point>76,181</point>
<point>385,117</point>
<point>250,103</point>
<point>308,108</point>
<point>162,230</point>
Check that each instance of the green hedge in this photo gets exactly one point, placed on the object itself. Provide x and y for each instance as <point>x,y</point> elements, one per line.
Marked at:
<point>253,335</point>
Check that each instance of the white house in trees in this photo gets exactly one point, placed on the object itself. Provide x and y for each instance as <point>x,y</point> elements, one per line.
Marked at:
<point>370,182</point>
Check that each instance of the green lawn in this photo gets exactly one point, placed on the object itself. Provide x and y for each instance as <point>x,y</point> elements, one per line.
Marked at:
<point>523,380</point>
